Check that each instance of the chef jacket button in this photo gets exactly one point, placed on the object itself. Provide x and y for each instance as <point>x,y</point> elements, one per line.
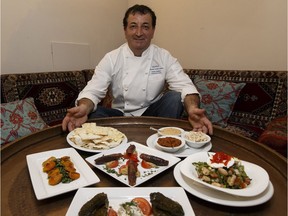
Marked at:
<point>143,89</point>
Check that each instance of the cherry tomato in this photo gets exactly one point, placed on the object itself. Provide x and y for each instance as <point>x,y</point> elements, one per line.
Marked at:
<point>144,205</point>
<point>133,157</point>
<point>147,165</point>
<point>112,164</point>
<point>127,162</point>
<point>111,212</point>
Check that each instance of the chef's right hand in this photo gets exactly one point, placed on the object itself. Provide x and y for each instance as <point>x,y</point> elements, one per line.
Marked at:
<point>78,115</point>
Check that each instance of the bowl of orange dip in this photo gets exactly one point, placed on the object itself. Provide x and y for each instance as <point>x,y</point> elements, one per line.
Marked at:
<point>169,143</point>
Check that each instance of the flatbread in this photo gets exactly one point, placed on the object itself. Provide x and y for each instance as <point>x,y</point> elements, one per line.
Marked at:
<point>91,136</point>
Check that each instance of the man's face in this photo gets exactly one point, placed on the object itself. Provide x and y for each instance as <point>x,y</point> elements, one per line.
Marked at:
<point>139,32</point>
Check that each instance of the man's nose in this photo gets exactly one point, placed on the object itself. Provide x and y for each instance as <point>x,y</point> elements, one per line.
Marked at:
<point>139,31</point>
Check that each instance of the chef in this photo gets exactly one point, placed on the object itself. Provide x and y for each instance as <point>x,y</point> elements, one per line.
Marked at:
<point>137,73</point>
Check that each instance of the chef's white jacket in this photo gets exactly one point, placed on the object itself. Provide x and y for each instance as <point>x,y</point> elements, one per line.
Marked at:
<point>136,82</point>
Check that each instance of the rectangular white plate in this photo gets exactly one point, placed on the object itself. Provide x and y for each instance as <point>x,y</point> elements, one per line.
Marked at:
<point>145,174</point>
<point>117,196</point>
<point>39,178</point>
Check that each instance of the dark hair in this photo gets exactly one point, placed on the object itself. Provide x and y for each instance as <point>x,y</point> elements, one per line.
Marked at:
<point>142,9</point>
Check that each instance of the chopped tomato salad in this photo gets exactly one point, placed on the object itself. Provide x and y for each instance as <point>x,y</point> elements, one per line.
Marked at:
<point>220,157</point>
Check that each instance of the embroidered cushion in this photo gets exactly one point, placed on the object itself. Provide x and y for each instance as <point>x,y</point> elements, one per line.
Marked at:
<point>19,118</point>
<point>218,98</point>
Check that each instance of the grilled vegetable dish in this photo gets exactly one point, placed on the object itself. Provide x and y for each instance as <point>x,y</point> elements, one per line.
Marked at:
<point>60,170</point>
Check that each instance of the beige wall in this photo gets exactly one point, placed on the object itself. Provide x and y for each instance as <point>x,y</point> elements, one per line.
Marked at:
<point>223,34</point>
<point>47,35</point>
<point>84,30</point>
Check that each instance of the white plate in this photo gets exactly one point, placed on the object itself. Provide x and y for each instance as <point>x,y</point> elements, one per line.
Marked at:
<point>125,140</point>
<point>40,181</point>
<point>219,197</point>
<point>117,196</point>
<point>259,182</point>
<point>145,174</point>
<point>186,151</point>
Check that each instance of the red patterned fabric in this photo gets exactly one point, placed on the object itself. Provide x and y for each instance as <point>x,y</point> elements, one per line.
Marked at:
<point>19,118</point>
<point>53,92</point>
<point>263,98</point>
<point>275,135</point>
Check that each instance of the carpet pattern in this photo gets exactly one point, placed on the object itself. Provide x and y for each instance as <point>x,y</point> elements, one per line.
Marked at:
<point>263,98</point>
<point>53,92</point>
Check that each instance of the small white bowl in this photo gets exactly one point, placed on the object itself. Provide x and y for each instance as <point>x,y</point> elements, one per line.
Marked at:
<point>171,131</point>
<point>196,140</point>
<point>170,149</point>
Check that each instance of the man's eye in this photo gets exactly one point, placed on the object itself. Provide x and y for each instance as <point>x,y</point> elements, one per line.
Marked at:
<point>146,27</point>
<point>132,26</point>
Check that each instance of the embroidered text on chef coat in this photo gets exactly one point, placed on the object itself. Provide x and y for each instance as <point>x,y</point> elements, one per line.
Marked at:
<point>156,69</point>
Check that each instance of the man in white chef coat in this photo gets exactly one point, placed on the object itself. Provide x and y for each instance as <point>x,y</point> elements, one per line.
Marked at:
<point>136,73</point>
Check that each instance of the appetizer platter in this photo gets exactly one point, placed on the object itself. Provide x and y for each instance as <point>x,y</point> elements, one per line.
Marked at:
<point>92,138</point>
<point>225,173</point>
<point>132,163</point>
<point>119,198</point>
<point>40,182</point>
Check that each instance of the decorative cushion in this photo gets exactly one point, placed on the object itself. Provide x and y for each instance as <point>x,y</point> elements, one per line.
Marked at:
<point>275,135</point>
<point>218,98</point>
<point>53,92</point>
<point>19,118</point>
<point>263,98</point>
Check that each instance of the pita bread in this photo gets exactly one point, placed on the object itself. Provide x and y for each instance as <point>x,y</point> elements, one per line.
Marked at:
<point>92,136</point>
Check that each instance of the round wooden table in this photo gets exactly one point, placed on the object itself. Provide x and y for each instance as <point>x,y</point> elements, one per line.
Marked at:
<point>18,198</point>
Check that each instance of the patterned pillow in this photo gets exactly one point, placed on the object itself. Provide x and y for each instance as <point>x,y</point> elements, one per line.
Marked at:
<point>19,118</point>
<point>218,98</point>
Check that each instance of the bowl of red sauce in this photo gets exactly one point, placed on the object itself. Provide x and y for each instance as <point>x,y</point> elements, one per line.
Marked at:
<point>169,143</point>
